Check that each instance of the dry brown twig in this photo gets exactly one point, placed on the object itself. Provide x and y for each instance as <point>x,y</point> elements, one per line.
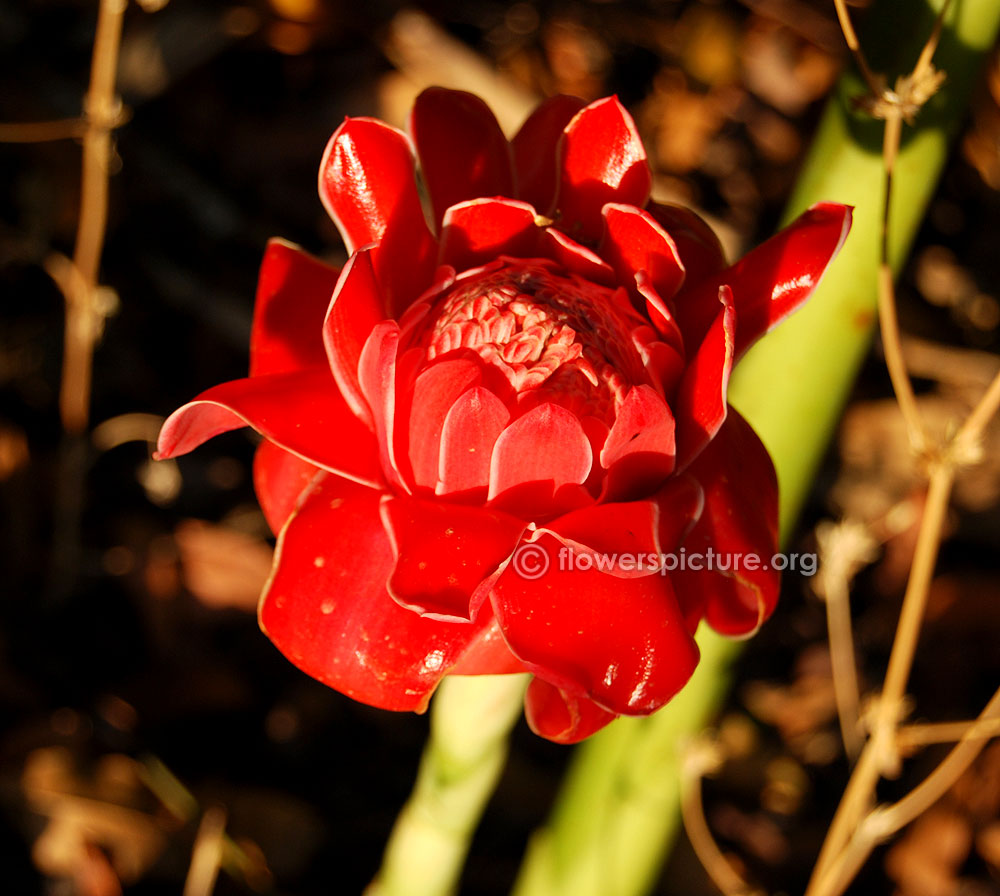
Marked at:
<point>858,826</point>
<point>844,549</point>
<point>703,757</point>
<point>102,114</point>
<point>87,303</point>
<point>42,131</point>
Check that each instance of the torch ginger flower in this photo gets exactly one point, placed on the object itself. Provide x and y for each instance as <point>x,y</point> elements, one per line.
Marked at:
<point>471,428</point>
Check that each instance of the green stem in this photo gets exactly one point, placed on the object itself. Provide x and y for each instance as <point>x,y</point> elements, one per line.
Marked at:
<point>617,813</point>
<point>470,722</point>
<point>618,809</point>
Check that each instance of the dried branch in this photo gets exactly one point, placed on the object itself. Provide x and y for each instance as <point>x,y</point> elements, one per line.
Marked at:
<point>102,113</point>
<point>701,758</point>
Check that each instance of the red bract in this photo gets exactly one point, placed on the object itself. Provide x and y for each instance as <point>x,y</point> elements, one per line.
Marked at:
<point>481,451</point>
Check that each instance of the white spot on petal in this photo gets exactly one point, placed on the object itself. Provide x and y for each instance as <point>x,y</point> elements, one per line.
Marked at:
<point>434,660</point>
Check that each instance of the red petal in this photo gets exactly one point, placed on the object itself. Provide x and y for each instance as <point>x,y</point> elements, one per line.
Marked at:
<point>377,378</point>
<point>661,313</point>
<point>536,161</point>
<point>367,181</point>
<point>681,501</point>
<point>326,607</point>
<point>640,450</point>
<point>368,184</point>
<point>634,242</point>
<point>437,388</point>
<point>619,539</point>
<point>357,307</point>
<point>663,363</point>
<point>443,552</point>
<point>279,479</point>
<point>463,153</point>
<point>477,232</point>
<point>488,654</point>
<point>697,243</point>
<point>293,292</point>
<point>602,160</point>
<point>561,717</point>
<point>575,258</point>
<point>620,642</point>
<point>537,455</point>
<point>301,412</point>
<point>470,431</point>
<point>740,518</point>
<point>597,434</point>
<point>700,407</point>
<point>773,280</point>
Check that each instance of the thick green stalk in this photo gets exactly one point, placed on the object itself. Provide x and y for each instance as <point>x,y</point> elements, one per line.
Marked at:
<point>471,719</point>
<point>618,810</point>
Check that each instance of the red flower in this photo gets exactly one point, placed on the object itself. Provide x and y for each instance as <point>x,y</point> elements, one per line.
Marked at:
<point>480,450</point>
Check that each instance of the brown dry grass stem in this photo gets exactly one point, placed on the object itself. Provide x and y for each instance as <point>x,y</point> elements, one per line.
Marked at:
<point>844,549</point>
<point>851,38</point>
<point>206,857</point>
<point>858,826</point>
<point>214,850</point>
<point>701,758</point>
<point>102,113</point>
<point>77,278</point>
<point>911,737</point>
<point>884,821</point>
<point>42,131</point>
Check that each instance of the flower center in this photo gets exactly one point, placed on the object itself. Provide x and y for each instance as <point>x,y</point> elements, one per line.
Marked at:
<point>555,337</point>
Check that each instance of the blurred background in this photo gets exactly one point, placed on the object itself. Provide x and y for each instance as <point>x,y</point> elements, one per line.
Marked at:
<point>146,725</point>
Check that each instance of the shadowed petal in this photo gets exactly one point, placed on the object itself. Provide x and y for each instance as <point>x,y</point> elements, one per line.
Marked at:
<point>634,242</point>
<point>279,478</point>
<point>301,412</point>
<point>621,642</point>
<point>327,610</point>
<point>701,396</point>
<point>463,153</point>
<point>663,363</point>
<point>536,160</point>
<point>740,518</point>
<point>293,292</point>
<point>562,717</point>
<point>367,183</point>
<point>697,244</point>
<point>357,307</point>
<point>773,280</point>
<point>443,552</point>
<point>660,312</point>
<point>601,160</point>
<point>640,450</point>
<point>377,378</point>
<point>577,259</point>
<point>681,501</point>
<point>477,232</point>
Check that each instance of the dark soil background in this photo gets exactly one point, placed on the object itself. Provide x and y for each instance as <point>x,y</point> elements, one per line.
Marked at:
<point>134,681</point>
